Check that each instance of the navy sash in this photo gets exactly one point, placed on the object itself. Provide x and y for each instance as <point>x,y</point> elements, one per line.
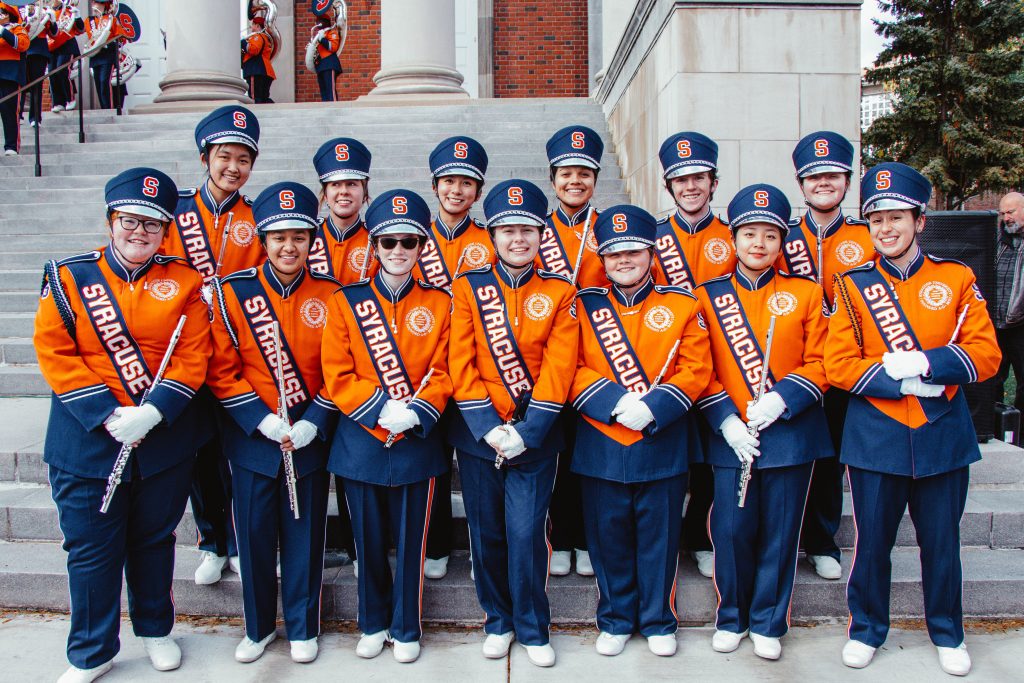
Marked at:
<point>501,342</point>
<point>553,255</point>
<point>110,326</point>
<point>318,260</point>
<point>798,254</point>
<point>196,242</point>
<point>673,258</point>
<point>890,320</point>
<point>618,350</point>
<point>260,315</point>
<point>380,342</point>
<point>432,264</point>
<point>743,344</point>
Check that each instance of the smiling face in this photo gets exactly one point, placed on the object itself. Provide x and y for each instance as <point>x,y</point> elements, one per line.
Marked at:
<point>230,166</point>
<point>287,251</point>
<point>757,246</point>
<point>693,192</point>
<point>574,186</point>
<point>824,191</point>
<point>396,258</point>
<point>344,198</point>
<point>627,268</point>
<point>134,247</point>
<point>893,231</point>
<point>517,245</point>
<point>456,194</point>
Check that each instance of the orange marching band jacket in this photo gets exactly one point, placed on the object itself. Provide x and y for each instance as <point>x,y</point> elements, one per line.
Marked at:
<point>560,247</point>
<point>340,253</point>
<point>467,242</point>
<point>844,243</point>
<point>687,256</point>
<point>100,335</point>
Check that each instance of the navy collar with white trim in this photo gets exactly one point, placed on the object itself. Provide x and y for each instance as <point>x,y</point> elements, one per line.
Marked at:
<point>894,270</point>
<point>757,283</point>
<point>637,297</point>
<point>129,276</point>
<point>451,233</point>
<point>283,291</point>
<point>211,203</point>
<point>574,220</point>
<point>699,225</point>
<point>828,230</point>
<point>392,295</point>
<point>513,281</point>
<point>337,233</point>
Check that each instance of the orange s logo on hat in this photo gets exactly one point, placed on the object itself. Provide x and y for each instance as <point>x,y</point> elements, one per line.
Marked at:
<point>619,223</point>
<point>287,200</point>
<point>883,180</point>
<point>579,140</point>
<point>515,195</point>
<point>683,148</point>
<point>461,150</point>
<point>321,5</point>
<point>239,119</point>
<point>821,148</point>
<point>761,198</point>
<point>399,206</point>
<point>150,186</point>
<point>341,152</point>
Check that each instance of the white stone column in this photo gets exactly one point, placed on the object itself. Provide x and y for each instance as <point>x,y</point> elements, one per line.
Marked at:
<point>417,49</point>
<point>203,57</point>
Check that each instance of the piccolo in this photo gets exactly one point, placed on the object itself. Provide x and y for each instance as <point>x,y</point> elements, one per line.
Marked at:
<point>282,412</point>
<point>583,245</point>
<point>423,383</point>
<point>959,323</point>
<point>745,470</point>
<point>224,243</point>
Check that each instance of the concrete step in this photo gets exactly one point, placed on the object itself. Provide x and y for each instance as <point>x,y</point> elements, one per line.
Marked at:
<point>19,302</point>
<point>33,576</point>
<point>21,279</point>
<point>18,324</point>
<point>22,380</point>
<point>17,351</point>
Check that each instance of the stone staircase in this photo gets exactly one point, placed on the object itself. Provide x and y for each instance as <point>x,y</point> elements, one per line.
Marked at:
<point>62,213</point>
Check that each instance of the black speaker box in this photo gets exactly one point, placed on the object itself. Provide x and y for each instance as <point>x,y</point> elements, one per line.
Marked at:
<point>970,236</point>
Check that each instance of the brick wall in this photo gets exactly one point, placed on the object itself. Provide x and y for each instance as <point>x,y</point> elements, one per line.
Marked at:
<point>360,59</point>
<point>540,48</point>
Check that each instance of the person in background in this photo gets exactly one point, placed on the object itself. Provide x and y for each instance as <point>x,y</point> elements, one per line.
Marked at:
<point>1009,293</point>
<point>13,44</point>
<point>257,66</point>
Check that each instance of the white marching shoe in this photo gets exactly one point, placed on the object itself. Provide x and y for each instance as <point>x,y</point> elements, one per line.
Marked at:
<point>10,152</point>
<point>496,645</point>
<point>954,660</point>
<point>583,564</point>
<point>304,651</point>
<point>405,653</point>
<point>609,644</point>
<point>541,655</point>
<point>210,569</point>
<point>164,653</point>
<point>857,655</point>
<point>235,565</point>
<point>826,567</point>
<point>250,650</point>
<point>561,563</point>
<point>705,560</point>
<point>76,675</point>
<point>766,647</point>
<point>371,644</point>
<point>726,641</point>
<point>57,108</point>
<point>435,569</point>
<point>663,645</point>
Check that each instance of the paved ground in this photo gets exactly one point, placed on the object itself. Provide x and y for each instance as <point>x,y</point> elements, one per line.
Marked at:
<point>32,649</point>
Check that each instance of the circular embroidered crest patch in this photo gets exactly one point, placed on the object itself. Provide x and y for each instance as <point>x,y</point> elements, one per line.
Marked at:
<point>591,238</point>
<point>477,255</point>
<point>850,253</point>
<point>538,306</point>
<point>717,250</point>
<point>935,295</point>
<point>163,290</point>
<point>659,318</point>
<point>356,258</point>
<point>782,303</point>
<point>314,313</point>
<point>242,233</point>
<point>420,321</point>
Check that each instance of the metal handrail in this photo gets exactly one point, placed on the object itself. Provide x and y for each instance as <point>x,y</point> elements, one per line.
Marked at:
<point>81,109</point>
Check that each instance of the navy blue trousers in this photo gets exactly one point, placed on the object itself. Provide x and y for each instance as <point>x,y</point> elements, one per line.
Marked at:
<point>264,522</point>
<point>61,87</point>
<point>566,507</point>
<point>9,115</point>
<point>632,535</point>
<point>507,511</point>
<point>390,602</point>
<point>825,496</point>
<point>136,538</point>
<point>326,81</point>
<point>211,500</point>
<point>936,506</point>
<point>107,92</point>
<point>756,547</point>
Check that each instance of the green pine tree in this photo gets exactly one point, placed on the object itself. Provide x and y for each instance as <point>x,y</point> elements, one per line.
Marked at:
<point>958,114</point>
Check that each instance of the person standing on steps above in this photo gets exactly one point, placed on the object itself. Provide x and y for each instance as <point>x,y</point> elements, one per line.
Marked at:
<point>13,44</point>
<point>257,62</point>
<point>455,243</point>
<point>693,246</point>
<point>820,245</point>
<point>327,64</point>
<point>215,232</point>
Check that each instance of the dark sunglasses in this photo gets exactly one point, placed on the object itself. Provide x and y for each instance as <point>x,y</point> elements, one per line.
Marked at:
<point>406,242</point>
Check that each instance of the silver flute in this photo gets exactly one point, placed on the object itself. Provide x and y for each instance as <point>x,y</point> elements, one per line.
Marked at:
<point>745,470</point>
<point>282,412</point>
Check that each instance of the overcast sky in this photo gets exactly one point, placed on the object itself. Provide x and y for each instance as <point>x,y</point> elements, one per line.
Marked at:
<point>870,42</point>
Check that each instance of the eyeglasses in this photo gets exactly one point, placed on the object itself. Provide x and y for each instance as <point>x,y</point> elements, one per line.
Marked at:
<point>406,242</point>
<point>132,224</point>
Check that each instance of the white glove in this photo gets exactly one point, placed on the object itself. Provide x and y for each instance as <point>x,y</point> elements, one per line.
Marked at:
<point>398,419</point>
<point>760,414</point>
<point>302,433</point>
<point>914,386</point>
<point>511,444</point>
<point>495,437</point>
<point>133,423</point>
<point>630,398</point>
<point>904,364</point>
<point>206,294</point>
<point>273,427</point>
<point>635,415</point>
<point>742,442</point>
<point>390,410</point>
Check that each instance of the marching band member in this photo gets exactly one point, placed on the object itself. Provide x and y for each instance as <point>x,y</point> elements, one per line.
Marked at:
<point>908,328</point>
<point>36,58</point>
<point>455,243</point>
<point>756,544</point>
<point>257,65</point>
<point>103,62</point>
<point>64,48</point>
<point>385,362</point>
<point>13,44</point>
<point>511,365</point>
<point>105,321</point>
<point>635,435</point>
<point>693,246</point>
<point>215,232</point>
<point>341,247</point>
<point>821,244</point>
<point>253,363</point>
<point>328,66</point>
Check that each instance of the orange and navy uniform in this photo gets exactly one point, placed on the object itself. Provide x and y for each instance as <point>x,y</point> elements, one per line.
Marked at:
<point>13,42</point>
<point>687,255</point>
<point>243,370</point>
<point>326,50</point>
<point>256,56</point>
<point>560,247</point>
<point>199,228</point>
<point>100,335</point>
<point>117,30</point>
<point>339,253</point>
<point>446,246</point>
<point>625,341</point>
<point>58,38</point>
<point>915,309</point>
<point>844,243</point>
<point>739,311</point>
<point>380,344</point>
<point>517,341</point>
